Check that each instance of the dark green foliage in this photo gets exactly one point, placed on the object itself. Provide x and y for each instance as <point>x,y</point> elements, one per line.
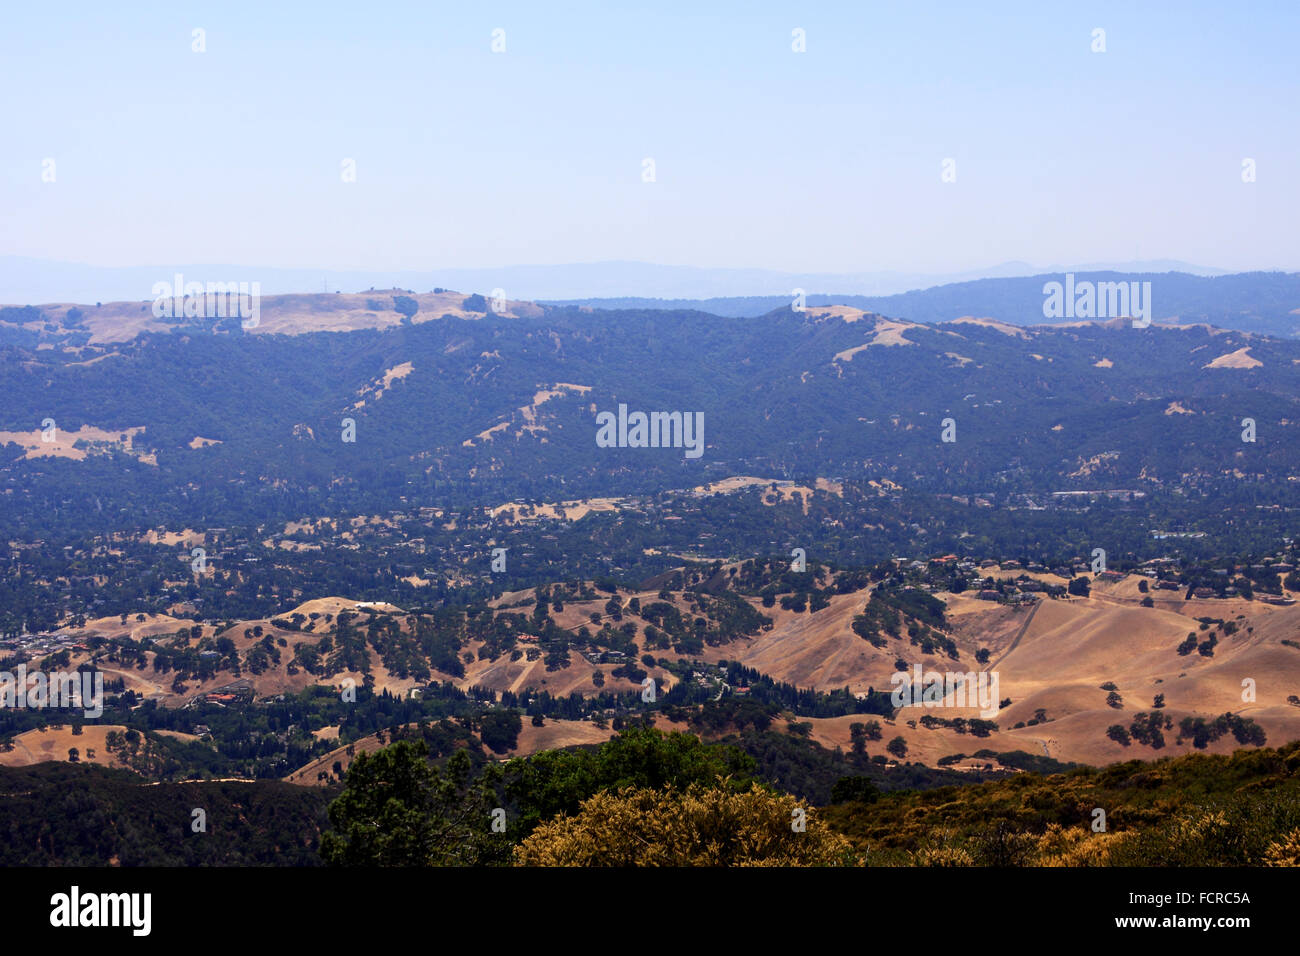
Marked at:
<point>398,810</point>
<point>499,729</point>
<point>405,305</point>
<point>59,814</point>
<point>558,781</point>
<point>1204,732</point>
<point>270,471</point>
<point>1147,728</point>
<point>854,789</point>
<point>1194,810</point>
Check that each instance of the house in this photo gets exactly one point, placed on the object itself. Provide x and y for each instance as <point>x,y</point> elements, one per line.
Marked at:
<point>987,595</point>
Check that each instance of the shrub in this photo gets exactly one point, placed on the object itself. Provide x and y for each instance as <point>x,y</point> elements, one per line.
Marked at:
<point>694,827</point>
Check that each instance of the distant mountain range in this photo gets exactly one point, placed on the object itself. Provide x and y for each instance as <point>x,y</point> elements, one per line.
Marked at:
<point>1261,302</point>
<point>497,407</point>
<point>29,281</point>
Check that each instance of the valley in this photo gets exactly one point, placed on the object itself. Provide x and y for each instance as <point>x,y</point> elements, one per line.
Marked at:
<point>346,528</point>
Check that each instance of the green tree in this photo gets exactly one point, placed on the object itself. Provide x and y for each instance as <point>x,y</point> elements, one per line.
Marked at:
<point>858,735</point>
<point>558,781</point>
<point>499,729</point>
<point>405,305</point>
<point>397,810</point>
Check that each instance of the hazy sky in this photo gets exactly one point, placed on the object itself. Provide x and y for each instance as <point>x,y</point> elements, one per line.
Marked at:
<point>825,161</point>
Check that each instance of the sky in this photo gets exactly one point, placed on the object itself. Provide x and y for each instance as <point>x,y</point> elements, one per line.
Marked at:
<point>827,160</point>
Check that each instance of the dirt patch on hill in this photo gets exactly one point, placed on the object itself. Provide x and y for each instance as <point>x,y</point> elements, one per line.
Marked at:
<point>380,385</point>
<point>64,444</point>
<point>1238,359</point>
<point>529,414</point>
<point>1004,327</point>
<point>886,333</point>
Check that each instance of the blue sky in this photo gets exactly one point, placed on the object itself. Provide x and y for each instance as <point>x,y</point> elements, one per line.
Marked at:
<point>825,161</point>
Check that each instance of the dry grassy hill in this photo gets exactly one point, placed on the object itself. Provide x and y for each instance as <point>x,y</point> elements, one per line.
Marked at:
<point>820,650</point>
<point>56,740</point>
<point>1071,648</point>
<point>1052,660</point>
<point>294,314</point>
<point>553,735</point>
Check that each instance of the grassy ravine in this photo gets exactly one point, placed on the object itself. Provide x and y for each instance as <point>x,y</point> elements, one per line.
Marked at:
<point>1194,810</point>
